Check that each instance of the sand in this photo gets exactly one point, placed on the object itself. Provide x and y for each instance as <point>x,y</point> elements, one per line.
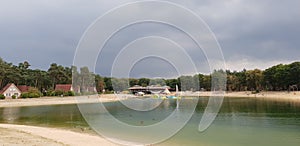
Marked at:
<point>55,100</point>
<point>30,135</point>
<point>290,96</point>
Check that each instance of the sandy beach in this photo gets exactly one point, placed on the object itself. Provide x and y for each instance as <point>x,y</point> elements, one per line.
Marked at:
<point>56,100</point>
<point>39,136</point>
<point>293,96</point>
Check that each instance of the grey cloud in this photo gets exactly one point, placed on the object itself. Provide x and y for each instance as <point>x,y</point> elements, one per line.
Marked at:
<point>257,31</point>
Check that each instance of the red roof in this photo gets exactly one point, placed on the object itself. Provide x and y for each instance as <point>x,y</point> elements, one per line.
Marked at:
<point>63,87</point>
<point>23,88</point>
<point>5,88</point>
<point>10,84</point>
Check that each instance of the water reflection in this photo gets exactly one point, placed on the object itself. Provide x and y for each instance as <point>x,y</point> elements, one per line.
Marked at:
<point>10,115</point>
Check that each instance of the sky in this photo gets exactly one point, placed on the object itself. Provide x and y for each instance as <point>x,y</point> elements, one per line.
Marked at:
<point>251,34</point>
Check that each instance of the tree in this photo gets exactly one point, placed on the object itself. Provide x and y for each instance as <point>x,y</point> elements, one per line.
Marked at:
<point>254,79</point>
<point>100,84</point>
<point>59,75</point>
<point>189,83</point>
<point>172,83</point>
<point>144,82</point>
<point>133,82</point>
<point>218,80</point>
<point>87,79</point>
<point>108,84</point>
<point>279,77</point>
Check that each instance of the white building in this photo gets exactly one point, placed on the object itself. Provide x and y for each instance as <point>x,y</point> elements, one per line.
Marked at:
<point>10,90</point>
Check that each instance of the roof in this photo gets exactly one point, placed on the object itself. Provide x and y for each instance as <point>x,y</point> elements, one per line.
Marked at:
<point>63,87</point>
<point>7,86</point>
<point>23,88</point>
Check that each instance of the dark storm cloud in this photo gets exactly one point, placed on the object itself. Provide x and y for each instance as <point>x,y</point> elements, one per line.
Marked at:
<point>252,34</point>
<point>262,33</point>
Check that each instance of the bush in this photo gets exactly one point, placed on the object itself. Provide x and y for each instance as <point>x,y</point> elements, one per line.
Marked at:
<point>32,93</point>
<point>71,93</point>
<point>2,97</point>
<point>14,97</point>
<point>58,93</point>
<point>25,95</point>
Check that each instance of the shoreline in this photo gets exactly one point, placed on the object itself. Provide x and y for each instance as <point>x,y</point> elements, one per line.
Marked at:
<point>56,100</point>
<point>293,96</point>
<point>32,135</point>
<point>272,95</point>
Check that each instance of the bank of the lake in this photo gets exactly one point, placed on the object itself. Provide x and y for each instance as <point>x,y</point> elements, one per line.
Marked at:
<point>293,96</point>
<point>56,100</point>
<point>32,135</point>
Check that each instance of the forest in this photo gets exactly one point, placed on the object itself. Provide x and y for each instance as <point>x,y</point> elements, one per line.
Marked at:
<point>282,77</point>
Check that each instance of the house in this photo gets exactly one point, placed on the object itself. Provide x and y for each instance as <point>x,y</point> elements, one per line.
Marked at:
<point>11,90</point>
<point>64,87</point>
<point>23,88</point>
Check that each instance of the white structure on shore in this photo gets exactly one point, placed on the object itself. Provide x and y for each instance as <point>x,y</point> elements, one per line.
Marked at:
<point>11,90</point>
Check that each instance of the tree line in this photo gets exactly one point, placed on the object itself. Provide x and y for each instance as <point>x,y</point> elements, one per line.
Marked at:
<point>276,78</point>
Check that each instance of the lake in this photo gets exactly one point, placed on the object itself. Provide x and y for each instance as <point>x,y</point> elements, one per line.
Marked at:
<point>241,121</point>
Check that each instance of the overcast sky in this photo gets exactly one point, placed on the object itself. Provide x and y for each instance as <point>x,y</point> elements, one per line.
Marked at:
<point>251,33</point>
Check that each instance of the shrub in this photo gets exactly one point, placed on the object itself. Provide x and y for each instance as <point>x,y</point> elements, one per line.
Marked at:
<point>71,93</point>
<point>51,93</point>
<point>2,97</point>
<point>58,93</point>
<point>14,97</point>
<point>25,95</point>
<point>32,93</point>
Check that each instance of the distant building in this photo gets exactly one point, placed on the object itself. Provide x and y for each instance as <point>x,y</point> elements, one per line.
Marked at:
<point>66,88</point>
<point>149,89</point>
<point>23,88</point>
<point>11,90</point>
<point>63,87</point>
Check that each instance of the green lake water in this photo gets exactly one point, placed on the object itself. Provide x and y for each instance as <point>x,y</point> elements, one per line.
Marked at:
<point>241,121</point>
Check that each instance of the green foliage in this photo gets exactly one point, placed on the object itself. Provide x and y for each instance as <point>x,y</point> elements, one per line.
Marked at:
<point>71,93</point>
<point>60,93</point>
<point>276,78</point>
<point>120,85</point>
<point>2,97</point>
<point>189,83</point>
<point>25,95</point>
<point>32,93</point>
<point>14,97</point>
<point>172,83</point>
<point>144,82</point>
